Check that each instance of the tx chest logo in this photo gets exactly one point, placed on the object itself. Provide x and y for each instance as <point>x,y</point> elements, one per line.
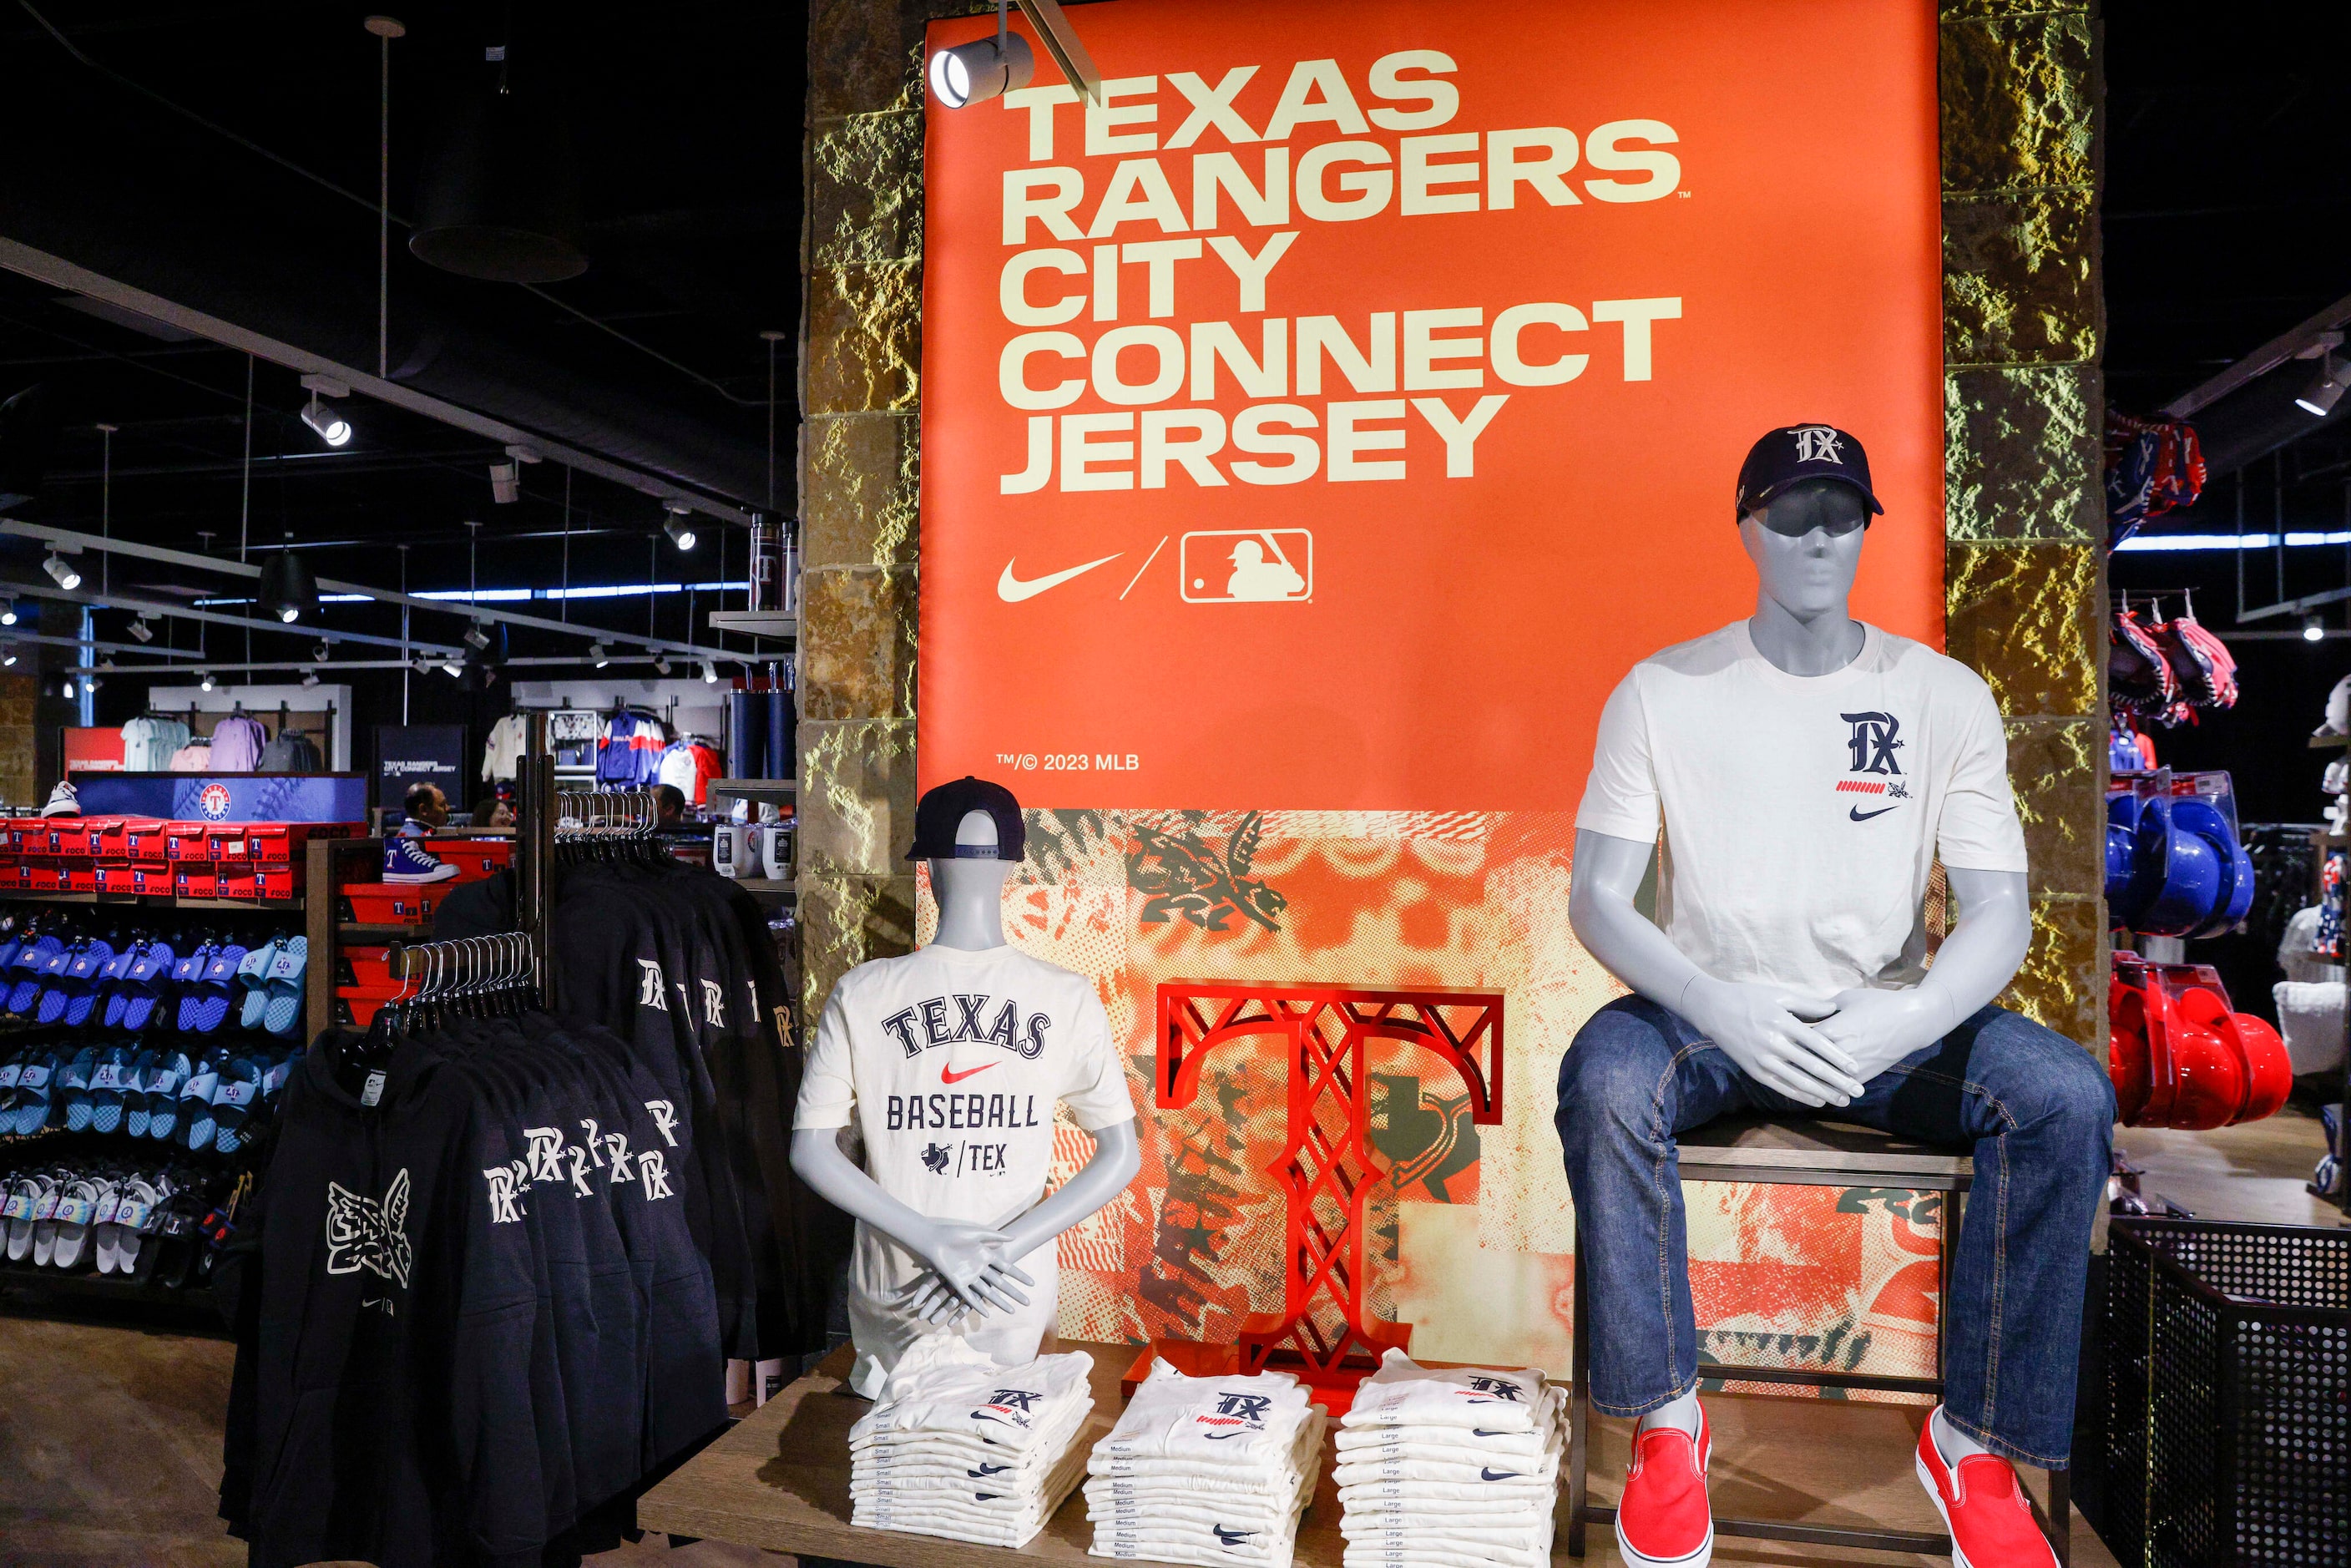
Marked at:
<point>363,1233</point>
<point>1236,1414</point>
<point>926,1024</point>
<point>1875,739</point>
<point>1494,1390</point>
<point>1009,1406</point>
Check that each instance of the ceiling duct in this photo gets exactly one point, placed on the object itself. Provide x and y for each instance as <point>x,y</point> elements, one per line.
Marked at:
<point>500,198</point>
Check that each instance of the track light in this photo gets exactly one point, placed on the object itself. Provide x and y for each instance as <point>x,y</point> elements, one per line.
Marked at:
<point>710,674</point>
<point>321,651</point>
<point>453,669</point>
<point>332,427</point>
<point>8,613</point>
<point>476,637</point>
<point>61,572</point>
<point>91,683</point>
<point>143,630</point>
<point>680,531</point>
<point>287,589</point>
<point>7,657</point>
<point>105,663</point>
<point>68,689</point>
<point>505,482</point>
<point>2327,390</point>
<point>2313,629</point>
<point>424,665</point>
<point>661,662</point>
<point>596,651</point>
<point>309,676</point>
<point>972,73</point>
<point>204,679</point>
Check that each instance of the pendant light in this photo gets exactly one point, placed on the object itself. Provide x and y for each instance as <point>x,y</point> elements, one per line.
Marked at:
<point>500,197</point>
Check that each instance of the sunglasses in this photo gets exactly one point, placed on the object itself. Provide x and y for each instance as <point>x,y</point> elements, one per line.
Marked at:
<point>1816,504</point>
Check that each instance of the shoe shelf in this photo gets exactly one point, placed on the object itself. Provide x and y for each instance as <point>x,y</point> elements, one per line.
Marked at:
<point>146,900</point>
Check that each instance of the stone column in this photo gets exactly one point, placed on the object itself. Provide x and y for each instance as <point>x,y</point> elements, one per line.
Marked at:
<point>2023,411</point>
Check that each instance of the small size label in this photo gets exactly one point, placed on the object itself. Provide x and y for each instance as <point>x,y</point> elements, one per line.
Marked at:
<point>374,1090</point>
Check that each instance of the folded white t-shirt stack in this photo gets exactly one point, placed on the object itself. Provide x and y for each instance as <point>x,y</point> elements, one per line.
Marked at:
<point>959,1447</point>
<point>1212,1471</point>
<point>1449,1468</point>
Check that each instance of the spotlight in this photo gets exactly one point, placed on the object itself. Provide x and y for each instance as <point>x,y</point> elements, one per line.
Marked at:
<point>680,531</point>
<point>710,674</point>
<point>204,679</point>
<point>105,663</point>
<point>68,689</point>
<point>141,630</point>
<point>321,651</point>
<point>332,427</point>
<point>309,676</point>
<point>971,73</point>
<point>661,662</point>
<point>2313,629</point>
<point>8,613</point>
<point>91,683</point>
<point>505,482</point>
<point>596,651</point>
<point>61,572</point>
<point>2326,390</point>
<point>7,657</point>
<point>287,588</point>
<point>476,637</point>
<point>453,669</point>
<point>424,665</point>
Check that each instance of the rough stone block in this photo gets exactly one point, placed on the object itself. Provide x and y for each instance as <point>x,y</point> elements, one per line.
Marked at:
<point>857,796</point>
<point>864,338</point>
<point>2055,769</point>
<point>2017,278</point>
<point>846,921</point>
<point>865,201</point>
<point>2016,103</point>
<point>1960,10</point>
<point>858,60</point>
<point>858,500</point>
<point>2021,454</point>
<point>857,649</point>
<point>2027,618</point>
<point>2062,981</point>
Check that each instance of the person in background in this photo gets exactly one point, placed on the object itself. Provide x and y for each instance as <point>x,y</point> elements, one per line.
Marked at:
<point>427,808</point>
<point>501,816</point>
<point>669,806</point>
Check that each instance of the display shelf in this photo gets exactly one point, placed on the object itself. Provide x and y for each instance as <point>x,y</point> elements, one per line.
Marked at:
<point>769,887</point>
<point>361,931</point>
<point>756,622</point>
<point>149,900</point>
<point>144,1290</point>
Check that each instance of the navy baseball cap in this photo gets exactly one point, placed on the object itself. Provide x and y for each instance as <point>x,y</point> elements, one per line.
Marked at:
<point>942,810</point>
<point>1795,453</point>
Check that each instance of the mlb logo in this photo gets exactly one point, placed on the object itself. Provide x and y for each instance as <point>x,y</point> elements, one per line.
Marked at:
<point>1247,566</point>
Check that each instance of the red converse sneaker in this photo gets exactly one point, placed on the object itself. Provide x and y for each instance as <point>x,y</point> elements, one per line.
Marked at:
<point>1664,1520</point>
<point>1983,1506</point>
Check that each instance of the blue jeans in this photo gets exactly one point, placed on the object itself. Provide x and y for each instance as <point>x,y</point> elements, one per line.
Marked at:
<point>2036,1109</point>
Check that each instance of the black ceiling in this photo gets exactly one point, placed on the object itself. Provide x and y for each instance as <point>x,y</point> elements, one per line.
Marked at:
<point>687,126</point>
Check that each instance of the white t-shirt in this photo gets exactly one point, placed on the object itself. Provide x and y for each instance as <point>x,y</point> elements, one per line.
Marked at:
<point>950,1062</point>
<point>1803,813</point>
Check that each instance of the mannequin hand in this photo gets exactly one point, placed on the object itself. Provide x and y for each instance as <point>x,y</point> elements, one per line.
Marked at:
<point>970,1261</point>
<point>1878,1029</point>
<point>931,1298</point>
<point>1763,1028</point>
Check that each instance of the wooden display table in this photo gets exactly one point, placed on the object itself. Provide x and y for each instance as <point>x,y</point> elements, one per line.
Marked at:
<point>780,1479</point>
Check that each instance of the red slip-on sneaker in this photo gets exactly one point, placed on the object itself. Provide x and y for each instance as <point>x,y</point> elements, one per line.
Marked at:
<point>1664,1520</point>
<point>1984,1508</point>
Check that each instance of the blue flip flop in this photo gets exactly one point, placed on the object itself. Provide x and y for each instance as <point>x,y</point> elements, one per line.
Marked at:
<point>108,1086</point>
<point>164,1081</point>
<point>283,1015</point>
<point>73,1088</point>
<point>252,977</point>
<point>80,979</point>
<point>196,1102</point>
<point>136,1078</point>
<point>236,1097</point>
<point>184,975</point>
<point>50,1007</point>
<point>26,970</point>
<point>111,978</point>
<point>212,990</point>
<point>36,1083</point>
<point>145,984</point>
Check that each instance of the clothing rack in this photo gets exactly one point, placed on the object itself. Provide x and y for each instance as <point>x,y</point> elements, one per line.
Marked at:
<point>583,815</point>
<point>465,967</point>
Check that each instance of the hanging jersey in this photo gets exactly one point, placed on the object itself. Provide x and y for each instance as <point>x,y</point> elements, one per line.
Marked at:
<point>949,1063</point>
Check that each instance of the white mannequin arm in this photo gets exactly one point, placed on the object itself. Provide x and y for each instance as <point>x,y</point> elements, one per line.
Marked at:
<point>1116,1159</point>
<point>971,1259</point>
<point>1762,1027</point>
<point>1975,963</point>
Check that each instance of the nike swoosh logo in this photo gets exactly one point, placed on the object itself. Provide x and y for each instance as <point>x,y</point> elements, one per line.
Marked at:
<point>949,1075</point>
<point>1859,815</point>
<point>1012,590</point>
<point>1488,1474</point>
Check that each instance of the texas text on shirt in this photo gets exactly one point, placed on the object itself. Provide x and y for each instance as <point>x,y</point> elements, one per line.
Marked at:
<point>950,1062</point>
<point>1802,814</point>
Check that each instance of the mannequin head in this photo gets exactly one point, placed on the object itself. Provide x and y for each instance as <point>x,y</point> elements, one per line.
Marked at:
<point>1806,547</point>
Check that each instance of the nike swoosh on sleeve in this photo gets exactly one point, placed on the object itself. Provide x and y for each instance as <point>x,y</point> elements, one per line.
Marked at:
<point>1012,590</point>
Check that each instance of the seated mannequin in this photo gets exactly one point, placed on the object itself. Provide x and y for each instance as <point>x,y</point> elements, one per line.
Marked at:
<point>951,1236</point>
<point>1807,770</point>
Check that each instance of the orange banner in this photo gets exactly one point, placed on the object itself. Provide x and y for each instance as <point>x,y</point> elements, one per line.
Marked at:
<point>1330,416</point>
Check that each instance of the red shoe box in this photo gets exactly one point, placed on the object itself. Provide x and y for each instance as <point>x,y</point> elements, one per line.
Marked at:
<point>473,858</point>
<point>117,879</point>
<point>280,843</point>
<point>81,877</point>
<point>111,841</point>
<point>186,842</point>
<point>26,834</point>
<point>144,842</point>
<point>236,879</point>
<point>365,971</point>
<point>191,879</point>
<point>393,903</point>
<point>152,879</point>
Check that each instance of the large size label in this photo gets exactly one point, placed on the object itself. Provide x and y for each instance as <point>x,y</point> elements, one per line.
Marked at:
<point>1330,416</point>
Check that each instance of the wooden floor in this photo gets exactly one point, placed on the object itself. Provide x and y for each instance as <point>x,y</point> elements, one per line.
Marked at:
<point>2254,1172</point>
